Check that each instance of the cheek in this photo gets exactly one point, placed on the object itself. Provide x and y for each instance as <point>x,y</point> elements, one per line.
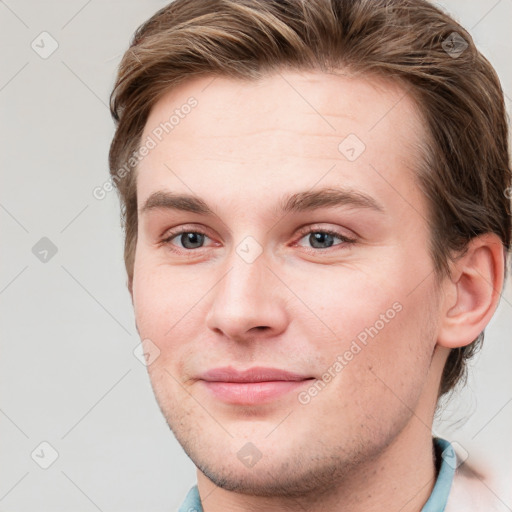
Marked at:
<point>170,310</point>
<point>160,296</point>
<point>346,302</point>
<point>379,330</point>
<point>148,302</point>
<point>382,372</point>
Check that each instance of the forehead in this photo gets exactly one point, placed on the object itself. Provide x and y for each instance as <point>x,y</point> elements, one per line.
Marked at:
<point>287,124</point>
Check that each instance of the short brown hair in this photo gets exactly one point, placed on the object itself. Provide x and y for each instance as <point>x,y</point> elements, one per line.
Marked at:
<point>464,169</point>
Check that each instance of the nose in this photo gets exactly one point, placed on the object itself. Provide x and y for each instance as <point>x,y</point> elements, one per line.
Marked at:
<point>248,302</point>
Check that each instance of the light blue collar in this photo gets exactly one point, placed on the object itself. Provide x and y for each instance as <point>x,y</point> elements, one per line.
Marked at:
<point>192,502</point>
<point>448,462</point>
<point>436,502</point>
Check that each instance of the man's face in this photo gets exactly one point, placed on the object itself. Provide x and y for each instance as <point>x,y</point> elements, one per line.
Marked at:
<point>254,286</point>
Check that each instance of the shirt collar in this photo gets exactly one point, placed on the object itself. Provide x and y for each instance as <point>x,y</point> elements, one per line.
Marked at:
<point>447,460</point>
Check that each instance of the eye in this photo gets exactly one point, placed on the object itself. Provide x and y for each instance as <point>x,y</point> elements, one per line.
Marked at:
<point>189,239</point>
<point>324,238</point>
<point>320,239</point>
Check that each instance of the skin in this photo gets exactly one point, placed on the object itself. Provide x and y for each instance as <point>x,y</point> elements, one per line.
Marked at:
<point>364,441</point>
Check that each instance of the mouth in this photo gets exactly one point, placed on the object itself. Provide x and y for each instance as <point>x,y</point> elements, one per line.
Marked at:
<point>256,385</point>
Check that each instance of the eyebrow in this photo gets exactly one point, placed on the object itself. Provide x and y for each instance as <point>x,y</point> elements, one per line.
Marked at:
<point>297,202</point>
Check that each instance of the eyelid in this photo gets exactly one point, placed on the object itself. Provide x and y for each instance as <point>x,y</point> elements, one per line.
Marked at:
<point>314,228</point>
<point>183,228</point>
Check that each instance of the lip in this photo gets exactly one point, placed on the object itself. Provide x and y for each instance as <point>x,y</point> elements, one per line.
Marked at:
<point>255,374</point>
<point>252,386</point>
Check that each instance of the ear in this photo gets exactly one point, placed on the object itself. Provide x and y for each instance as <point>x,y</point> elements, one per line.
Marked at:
<point>473,291</point>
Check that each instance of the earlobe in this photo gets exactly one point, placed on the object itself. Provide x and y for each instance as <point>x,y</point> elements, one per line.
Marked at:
<point>474,291</point>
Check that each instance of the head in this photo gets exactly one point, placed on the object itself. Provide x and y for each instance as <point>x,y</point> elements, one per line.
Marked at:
<point>346,173</point>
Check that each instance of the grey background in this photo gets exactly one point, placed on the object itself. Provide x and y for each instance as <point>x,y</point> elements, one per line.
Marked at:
<point>68,374</point>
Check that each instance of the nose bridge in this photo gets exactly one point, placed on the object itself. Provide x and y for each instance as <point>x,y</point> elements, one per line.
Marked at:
<point>244,286</point>
<point>245,297</point>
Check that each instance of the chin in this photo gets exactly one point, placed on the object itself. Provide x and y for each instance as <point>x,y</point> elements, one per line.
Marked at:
<point>290,473</point>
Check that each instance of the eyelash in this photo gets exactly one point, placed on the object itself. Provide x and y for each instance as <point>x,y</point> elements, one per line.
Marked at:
<point>303,232</point>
